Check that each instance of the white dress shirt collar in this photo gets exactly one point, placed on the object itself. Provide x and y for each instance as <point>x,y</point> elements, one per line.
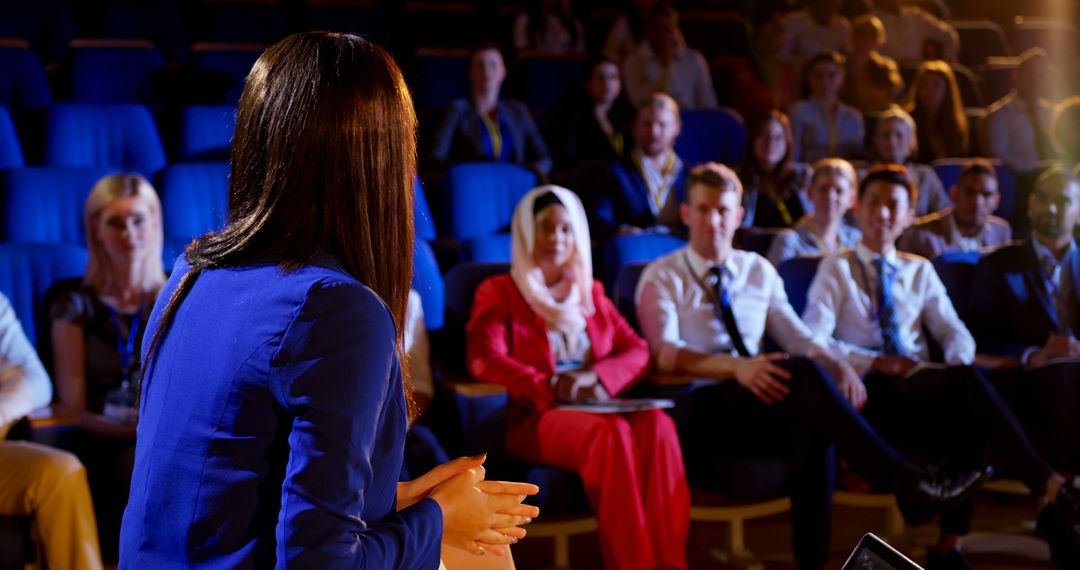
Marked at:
<point>701,265</point>
<point>867,256</point>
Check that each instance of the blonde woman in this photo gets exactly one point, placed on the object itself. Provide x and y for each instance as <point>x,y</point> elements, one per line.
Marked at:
<point>824,231</point>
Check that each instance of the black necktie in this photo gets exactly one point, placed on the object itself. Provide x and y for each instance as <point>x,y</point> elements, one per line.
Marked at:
<point>727,315</point>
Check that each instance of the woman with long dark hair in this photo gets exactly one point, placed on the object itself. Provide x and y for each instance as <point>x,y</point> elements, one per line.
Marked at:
<point>273,401</point>
<point>935,105</point>
<point>773,182</point>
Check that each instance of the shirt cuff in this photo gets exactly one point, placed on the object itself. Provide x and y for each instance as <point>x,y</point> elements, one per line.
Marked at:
<point>1025,358</point>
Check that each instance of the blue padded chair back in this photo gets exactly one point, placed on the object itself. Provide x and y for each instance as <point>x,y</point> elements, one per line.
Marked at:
<point>423,221</point>
<point>121,136</point>
<point>956,270</point>
<point>230,64</point>
<point>757,240</point>
<point>428,282</point>
<point>494,248</point>
<point>625,286</point>
<point>635,248</point>
<point>10,150</point>
<point>27,270</point>
<point>798,273</point>
<point>160,22</point>
<point>543,82</point>
<point>113,74</point>
<point>443,75</point>
<point>22,79</point>
<point>45,204</point>
<point>194,198</point>
<point>948,170</point>
<point>258,22</point>
<point>482,197</point>
<point>711,135</point>
<point>206,132</point>
<point>461,283</point>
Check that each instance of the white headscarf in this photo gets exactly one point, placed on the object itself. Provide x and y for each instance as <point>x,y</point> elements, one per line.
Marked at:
<point>567,316</point>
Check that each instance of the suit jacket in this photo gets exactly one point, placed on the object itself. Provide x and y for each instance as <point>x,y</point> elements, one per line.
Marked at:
<point>508,344</point>
<point>932,235</point>
<point>625,200</point>
<point>271,429</point>
<point>461,136</point>
<point>1010,310</point>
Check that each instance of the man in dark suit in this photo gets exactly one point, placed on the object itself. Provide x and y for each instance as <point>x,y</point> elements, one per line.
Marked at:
<point>968,225</point>
<point>643,191</point>
<point>1025,308</point>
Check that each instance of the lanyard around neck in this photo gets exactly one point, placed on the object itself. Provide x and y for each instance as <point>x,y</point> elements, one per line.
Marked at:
<point>126,346</point>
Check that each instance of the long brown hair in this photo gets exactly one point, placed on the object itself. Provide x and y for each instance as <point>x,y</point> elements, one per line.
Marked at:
<point>951,125</point>
<point>323,158</point>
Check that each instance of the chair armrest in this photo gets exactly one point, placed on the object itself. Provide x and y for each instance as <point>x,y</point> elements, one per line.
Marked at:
<point>56,416</point>
<point>668,379</point>
<point>995,362</point>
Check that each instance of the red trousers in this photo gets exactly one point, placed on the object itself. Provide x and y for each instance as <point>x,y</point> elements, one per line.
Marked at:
<point>632,469</point>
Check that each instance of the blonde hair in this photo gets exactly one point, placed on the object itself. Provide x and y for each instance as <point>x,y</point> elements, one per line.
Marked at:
<point>897,113</point>
<point>99,271</point>
<point>835,167</point>
<point>874,23</point>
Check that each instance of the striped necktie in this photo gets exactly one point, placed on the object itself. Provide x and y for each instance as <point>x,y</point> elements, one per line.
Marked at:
<point>891,343</point>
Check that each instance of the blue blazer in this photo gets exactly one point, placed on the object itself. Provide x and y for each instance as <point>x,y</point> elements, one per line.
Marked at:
<point>461,136</point>
<point>625,200</point>
<point>1010,309</point>
<point>271,429</point>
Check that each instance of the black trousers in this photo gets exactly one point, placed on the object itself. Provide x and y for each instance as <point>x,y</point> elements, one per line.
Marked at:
<point>952,417</point>
<point>1047,401</point>
<point>729,427</point>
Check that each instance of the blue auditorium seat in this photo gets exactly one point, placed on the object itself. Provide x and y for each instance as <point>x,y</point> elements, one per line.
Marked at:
<point>161,22</point>
<point>442,76</point>
<point>956,270</point>
<point>428,282</point>
<point>494,248</point>
<point>45,204</point>
<point>206,132</point>
<point>114,71</point>
<point>757,240</point>
<point>798,273</point>
<point>625,287</point>
<point>948,170</point>
<point>194,198</point>
<point>10,149</point>
<point>225,65</point>
<point>253,22</point>
<point>23,84</point>
<point>716,135</point>
<point>482,197</point>
<point>27,270</point>
<point>423,221</point>
<point>635,248</point>
<point>118,135</point>
<point>47,25</point>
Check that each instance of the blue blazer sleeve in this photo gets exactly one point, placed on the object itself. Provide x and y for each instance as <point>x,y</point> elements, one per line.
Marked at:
<point>338,376</point>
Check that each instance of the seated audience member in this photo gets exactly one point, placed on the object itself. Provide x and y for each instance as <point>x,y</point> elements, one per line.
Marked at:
<point>874,303</point>
<point>643,191</point>
<point>1017,127</point>
<point>705,309</point>
<point>914,34</point>
<point>1025,306</point>
<point>97,334</point>
<point>595,125</point>
<point>485,128</point>
<point>548,333</point>
<point>822,125</point>
<point>772,181</point>
<point>824,231</point>
<point>872,81</point>
<point>423,452</point>
<point>1066,129</point>
<point>817,28</point>
<point>764,81</point>
<point>628,30</point>
<point>549,27</point>
<point>663,63</point>
<point>934,104</point>
<point>969,224</point>
<point>894,142</point>
<point>42,482</point>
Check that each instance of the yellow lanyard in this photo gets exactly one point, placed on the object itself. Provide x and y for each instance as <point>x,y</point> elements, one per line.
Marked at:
<point>781,207</point>
<point>495,134</point>
<point>616,140</point>
<point>658,195</point>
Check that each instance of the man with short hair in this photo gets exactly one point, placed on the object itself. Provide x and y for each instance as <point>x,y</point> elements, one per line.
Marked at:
<point>642,191</point>
<point>1017,127</point>
<point>969,224</point>
<point>1025,307</point>
<point>45,483</point>
<point>663,63</point>
<point>704,310</point>
<point>875,304</point>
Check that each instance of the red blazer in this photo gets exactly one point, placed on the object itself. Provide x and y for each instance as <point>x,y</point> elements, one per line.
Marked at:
<point>507,344</point>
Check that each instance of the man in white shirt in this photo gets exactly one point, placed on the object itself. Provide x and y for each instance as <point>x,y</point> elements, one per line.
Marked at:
<point>875,304</point>
<point>967,225</point>
<point>1017,127</point>
<point>913,35</point>
<point>818,28</point>
<point>663,63</point>
<point>42,482</point>
<point>704,310</point>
